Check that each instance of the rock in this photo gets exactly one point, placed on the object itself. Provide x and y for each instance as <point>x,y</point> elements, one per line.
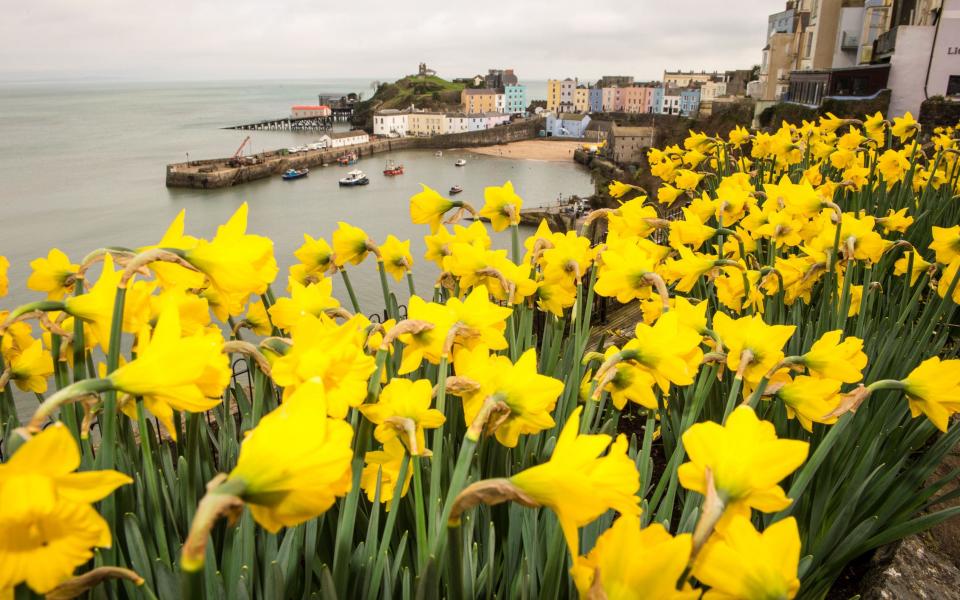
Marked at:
<point>914,568</point>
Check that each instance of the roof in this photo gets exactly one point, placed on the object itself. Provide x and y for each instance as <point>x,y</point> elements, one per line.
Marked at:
<point>310,107</point>
<point>571,117</point>
<point>346,134</point>
<point>632,131</point>
<point>480,91</point>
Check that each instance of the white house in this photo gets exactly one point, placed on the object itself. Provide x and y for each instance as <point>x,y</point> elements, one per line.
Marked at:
<point>391,123</point>
<point>493,119</point>
<point>302,111</point>
<point>457,123</point>
<point>713,89</point>
<point>671,103</point>
<point>501,103</point>
<point>567,125</point>
<point>339,139</point>
<point>476,122</point>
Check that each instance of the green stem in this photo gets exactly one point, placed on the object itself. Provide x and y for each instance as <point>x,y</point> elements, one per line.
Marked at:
<point>350,292</point>
<point>419,515</point>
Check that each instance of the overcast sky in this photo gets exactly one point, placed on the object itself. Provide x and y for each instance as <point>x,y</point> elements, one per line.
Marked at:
<point>282,39</point>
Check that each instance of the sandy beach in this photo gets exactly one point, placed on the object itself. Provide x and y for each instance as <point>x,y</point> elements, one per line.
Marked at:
<point>547,150</point>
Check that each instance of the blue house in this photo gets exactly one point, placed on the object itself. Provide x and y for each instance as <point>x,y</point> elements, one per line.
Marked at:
<point>657,104</point>
<point>515,98</point>
<point>567,125</point>
<point>596,99</point>
<point>690,102</point>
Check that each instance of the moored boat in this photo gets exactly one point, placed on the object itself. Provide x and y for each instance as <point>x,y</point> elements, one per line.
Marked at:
<point>295,173</point>
<point>393,168</point>
<point>460,163</point>
<point>455,190</point>
<point>347,159</point>
<point>355,177</point>
<point>438,153</point>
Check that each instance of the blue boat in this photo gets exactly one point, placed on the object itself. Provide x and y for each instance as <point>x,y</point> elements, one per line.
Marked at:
<point>295,173</point>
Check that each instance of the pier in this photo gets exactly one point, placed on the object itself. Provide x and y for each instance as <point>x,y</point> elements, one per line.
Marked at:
<point>226,172</point>
<point>289,124</point>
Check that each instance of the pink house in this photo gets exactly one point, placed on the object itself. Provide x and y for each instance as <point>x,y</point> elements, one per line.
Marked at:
<point>612,99</point>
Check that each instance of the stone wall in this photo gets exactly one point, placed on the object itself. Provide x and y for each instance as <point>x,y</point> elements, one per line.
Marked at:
<point>937,112</point>
<point>845,108</point>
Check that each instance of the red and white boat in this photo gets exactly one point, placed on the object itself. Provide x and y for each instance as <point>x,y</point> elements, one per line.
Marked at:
<point>393,168</point>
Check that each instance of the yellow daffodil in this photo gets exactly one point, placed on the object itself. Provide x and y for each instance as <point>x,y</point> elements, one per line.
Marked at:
<point>667,194</point>
<point>578,484</point>
<point>404,410</point>
<point>623,273</point>
<point>947,278</point>
<point>919,266</point>
<point>296,461</point>
<point>236,263</point>
<point>750,565</point>
<point>633,218</point>
<point>797,198</point>
<point>427,207</point>
<point>350,244</point>
<point>810,400</point>
<point>257,319</point>
<point>554,296</point>
<point>688,269</point>
<point>831,358</point>
<point>502,206</point>
<point>175,372</point>
<point>875,127</point>
<point>904,127</point>
<point>311,299</point>
<point>529,398</point>
<point>396,257</point>
<point>746,460</point>
<point>629,383</point>
<point>384,466</point>
<point>893,165</point>
<point>752,346</point>
<point>95,307</point>
<point>4,281</point>
<point>669,350</point>
<point>482,321</point>
<point>48,527</point>
<point>690,231</point>
<point>330,353</point>
<point>314,254</point>
<point>53,275</point>
<point>946,243</point>
<point>618,189</point>
<point>427,343</point>
<point>31,368</point>
<point>933,389</point>
<point>628,563</point>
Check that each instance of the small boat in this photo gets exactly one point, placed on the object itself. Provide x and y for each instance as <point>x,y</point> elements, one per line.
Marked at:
<point>393,168</point>
<point>347,159</point>
<point>355,177</point>
<point>460,163</point>
<point>295,173</point>
<point>438,153</point>
<point>455,190</point>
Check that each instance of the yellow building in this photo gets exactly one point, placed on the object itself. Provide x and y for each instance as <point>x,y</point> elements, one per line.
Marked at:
<point>427,123</point>
<point>581,99</point>
<point>553,94</point>
<point>480,100</point>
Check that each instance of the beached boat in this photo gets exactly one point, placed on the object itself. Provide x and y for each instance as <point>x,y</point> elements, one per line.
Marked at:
<point>393,168</point>
<point>460,163</point>
<point>438,153</point>
<point>347,159</point>
<point>295,173</point>
<point>455,190</point>
<point>355,177</point>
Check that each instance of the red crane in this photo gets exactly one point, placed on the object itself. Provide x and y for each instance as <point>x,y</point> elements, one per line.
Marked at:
<point>235,159</point>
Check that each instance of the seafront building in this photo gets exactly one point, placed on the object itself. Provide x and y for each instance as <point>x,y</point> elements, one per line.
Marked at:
<point>687,78</point>
<point>339,139</point>
<point>391,123</point>
<point>596,99</point>
<point>424,123</point>
<point>629,144</point>
<point>302,111</point>
<point>560,94</point>
<point>568,125</point>
<point>515,95</point>
<point>820,48</point>
<point>479,100</point>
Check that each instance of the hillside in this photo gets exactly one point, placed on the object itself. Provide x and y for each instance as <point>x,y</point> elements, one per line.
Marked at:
<point>430,92</point>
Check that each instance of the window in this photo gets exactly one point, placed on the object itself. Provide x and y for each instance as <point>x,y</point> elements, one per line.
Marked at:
<point>953,85</point>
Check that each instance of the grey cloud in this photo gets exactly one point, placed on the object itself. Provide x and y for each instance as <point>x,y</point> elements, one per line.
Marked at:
<point>221,39</point>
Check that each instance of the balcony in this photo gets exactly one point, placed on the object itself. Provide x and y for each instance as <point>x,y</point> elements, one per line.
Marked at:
<point>885,45</point>
<point>849,40</point>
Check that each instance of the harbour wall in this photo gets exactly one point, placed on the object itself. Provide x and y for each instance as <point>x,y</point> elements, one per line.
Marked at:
<point>219,172</point>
